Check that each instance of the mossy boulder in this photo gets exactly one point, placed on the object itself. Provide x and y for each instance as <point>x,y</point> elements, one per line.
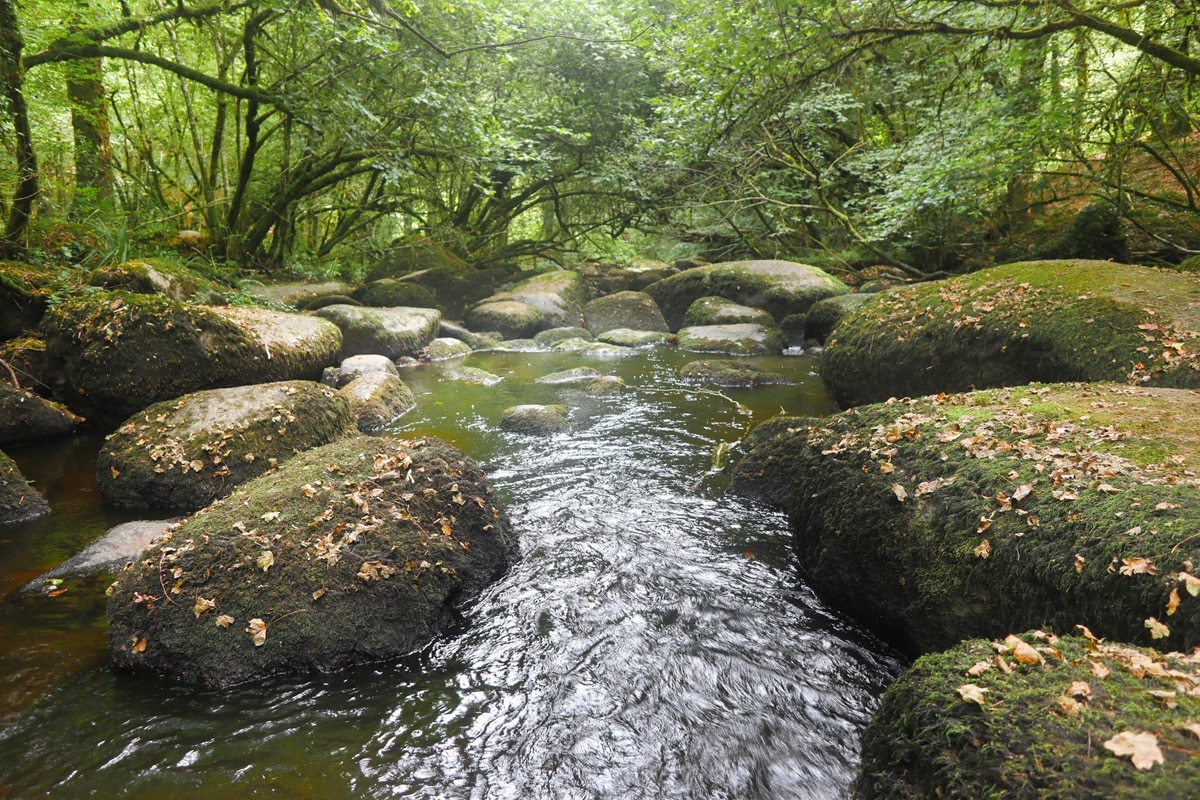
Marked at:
<point>456,288</point>
<point>629,310</point>
<point>576,375</point>
<point>824,315</point>
<point>24,291</point>
<point>778,287</point>
<point>155,276</point>
<point>119,352</point>
<point>357,552</point>
<point>26,417</point>
<point>745,339</point>
<point>732,374</point>
<point>26,358</point>
<point>1037,716</point>
<point>299,295</point>
<point>512,319</point>
<point>19,502</point>
<point>392,332</point>
<point>377,399</point>
<point>477,341</point>
<point>1032,321</point>
<point>356,366</point>
<point>558,294</point>
<point>187,452</point>
<point>553,336</point>
<point>472,375</point>
<point>388,292</point>
<point>959,516</point>
<point>444,348</point>
<point>415,253</point>
<point>626,337</point>
<point>719,311</point>
<point>535,420</point>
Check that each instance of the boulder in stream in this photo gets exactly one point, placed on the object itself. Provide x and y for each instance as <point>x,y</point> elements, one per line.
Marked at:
<point>26,417</point>
<point>719,311</point>
<point>392,332</point>
<point>743,339</point>
<point>19,502</point>
<point>731,374</point>
<point>185,453</point>
<point>628,310</point>
<point>974,515</point>
<point>512,319</point>
<point>535,420</point>
<point>558,294</point>
<point>356,552</point>
<point>377,399</point>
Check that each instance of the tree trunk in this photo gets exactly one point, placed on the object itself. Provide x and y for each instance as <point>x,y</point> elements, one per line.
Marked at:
<point>12,77</point>
<point>89,123</point>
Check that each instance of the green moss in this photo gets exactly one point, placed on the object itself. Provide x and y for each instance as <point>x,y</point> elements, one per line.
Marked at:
<point>891,505</point>
<point>168,277</point>
<point>389,292</point>
<point>1042,727</point>
<point>372,544</point>
<point>1035,321</point>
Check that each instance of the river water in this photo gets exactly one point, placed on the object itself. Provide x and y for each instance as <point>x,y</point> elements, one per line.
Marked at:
<point>654,641</point>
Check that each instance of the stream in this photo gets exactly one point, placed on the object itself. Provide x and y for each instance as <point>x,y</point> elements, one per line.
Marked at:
<point>655,641</point>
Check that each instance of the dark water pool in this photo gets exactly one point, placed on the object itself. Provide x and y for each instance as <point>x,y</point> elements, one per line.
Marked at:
<point>655,640</point>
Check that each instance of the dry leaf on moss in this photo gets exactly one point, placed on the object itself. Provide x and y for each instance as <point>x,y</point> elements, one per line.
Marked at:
<point>971,693</point>
<point>266,560</point>
<point>1157,629</point>
<point>1142,748</point>
<point>258,632</point>
<point>224,621</point>
<point>203,605</point>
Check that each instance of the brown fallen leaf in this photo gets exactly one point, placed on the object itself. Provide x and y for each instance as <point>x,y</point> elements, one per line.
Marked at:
<point>1194,727</point>
<point>900,492</point>
<point>978,668</point>
<point>266,560</point>
<point>224,621</point>
<point>203,605</point>
<point>1157,629</point>
<point>1142,748</point>
<point>258,632</point>
<point>1080,690</point>
<point>139,644</point>
<point>1173,602</point>
<point>1138,566</point>
<point>1022,652</point>
<point>970,693</point>
<point>983,549</point>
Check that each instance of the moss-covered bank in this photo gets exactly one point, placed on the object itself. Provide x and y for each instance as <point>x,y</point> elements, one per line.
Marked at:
<point>951,517</point>
<point>351,553</point>
<point>1037,717</point>
<point>1033,321</point>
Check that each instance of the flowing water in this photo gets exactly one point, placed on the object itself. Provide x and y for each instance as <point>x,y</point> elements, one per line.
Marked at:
<point>655,640</point>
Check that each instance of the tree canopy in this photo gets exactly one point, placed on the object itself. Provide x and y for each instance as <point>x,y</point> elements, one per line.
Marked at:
<point>926,134</point>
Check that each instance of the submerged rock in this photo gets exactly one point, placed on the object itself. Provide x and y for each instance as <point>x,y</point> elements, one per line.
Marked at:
<point>472,375</point>
<point>744,339</point>
<point>391,332</point>
<point>1036,716</point>
<point>720,372</point>
<point>25,417</point>
<point>120,352</point>
<point>187,452</point>
<point>377,399</point>
<point>778,287</point>
<point>1006,326</point>
<point>107,555</point>
<point>19,502</point>
<point>553,336</point>
<point>576,375</point>
<point>535,420</point>
<point>625,337</point>
<point>357,552</point>
<point>954,517</point>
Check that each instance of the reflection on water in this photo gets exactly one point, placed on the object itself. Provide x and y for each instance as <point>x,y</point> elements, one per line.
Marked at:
<point>653,642</point>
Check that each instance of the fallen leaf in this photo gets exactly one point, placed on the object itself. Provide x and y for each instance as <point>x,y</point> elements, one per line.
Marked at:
<point>978,668</point>
<point>971,693</point>
<point>1138,566</point>
<point>1022,652</point>
<point>1190,582</point>
<point>1142,748</point>
<point>375,570</point>
<point>258,632</point>
<point>139,644</point>
<point>1157,629</point>
<point>1194,727</point>
<point>1100,669</point>
<point>1070,706</point>
<point>270,516</point>
<point>900,492</point>
<point>203,605</point>
<point>308,490</point>
<point>1079,562</point>
<point>1164,696</point>
<point>887,468</point>
<point>1079,690</point>
<point>1063,494</point>
<point>1108,489</point>
<point>116,473</point>
<point>1173,602</point>
<point>224,621</point>
<point>984,549</point>
<point>1022,491</point>
<point>266,560</point>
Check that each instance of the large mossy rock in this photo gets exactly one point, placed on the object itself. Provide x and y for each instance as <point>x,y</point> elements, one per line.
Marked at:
<point>24,291</point>
<point>560,295</point>
<point>388,292</point>
<point>392,332</point>
<point>778,287</point>
<point>1033,321</point>
<point>119,352</point>
<point>1065,717</point>
<point>19,502</point>
<point>356,552</point>
<point>719,311</point>
<point>187,452</point>
<point>731,374</point>
<point>26,417</point>
<point>512,319</point>
<point>628,310</point>
<point>415,253</point>
<point>824,315</point>
<point>951,517</point>
<point>299,295</point>
<point>377,399</point>
<point>155,276</point>
<point>745,339</point>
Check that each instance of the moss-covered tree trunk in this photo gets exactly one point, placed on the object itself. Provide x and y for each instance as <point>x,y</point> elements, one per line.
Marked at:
<point>12,77</point>
<point>89,124</point>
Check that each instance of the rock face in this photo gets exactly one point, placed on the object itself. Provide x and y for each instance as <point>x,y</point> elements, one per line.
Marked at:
<point>1005,326</point>
<point>778,287</point>
<point>336,559</point>
<point>744,339</point>
<point>535,420</point>
<point>392,332</point>
<point>187,452</point>
<point>25,417</point>
<point>1071,718</point>
<point>377,399</point>
<point>560,296</point>
<point>962,516</point>
<point>512,319</point>
<point>120,352</point>
<point>19,502</point>
<point>631,310</point>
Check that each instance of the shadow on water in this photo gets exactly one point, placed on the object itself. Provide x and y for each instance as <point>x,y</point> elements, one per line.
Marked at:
<point>654,641</point>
